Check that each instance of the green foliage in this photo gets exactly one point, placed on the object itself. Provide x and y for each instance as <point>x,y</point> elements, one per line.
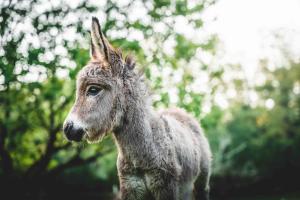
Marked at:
<point>184,49</point>
<point>263,141</point>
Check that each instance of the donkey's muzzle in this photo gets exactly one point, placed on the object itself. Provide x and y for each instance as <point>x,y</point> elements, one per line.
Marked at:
<point>73,133</point>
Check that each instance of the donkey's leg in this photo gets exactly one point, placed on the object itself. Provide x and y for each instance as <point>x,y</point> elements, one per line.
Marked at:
<point>187,192</point>
<point>132,188</point>
<point>202,185</point>
<point>162,186</point>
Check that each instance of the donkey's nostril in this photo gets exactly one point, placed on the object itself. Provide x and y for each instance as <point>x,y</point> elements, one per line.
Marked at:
<point>72,132</point>
<point>77,135</point>
<point>68,127</point>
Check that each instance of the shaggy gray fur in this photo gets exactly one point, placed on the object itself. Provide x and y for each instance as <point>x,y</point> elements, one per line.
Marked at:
<point>160,154</point>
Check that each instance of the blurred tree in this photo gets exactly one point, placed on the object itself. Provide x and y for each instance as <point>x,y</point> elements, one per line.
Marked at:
<point>33,97</point>
<point>263,139</point>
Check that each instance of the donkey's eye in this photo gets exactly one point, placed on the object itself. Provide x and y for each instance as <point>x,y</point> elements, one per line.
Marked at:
<point>93,91</point>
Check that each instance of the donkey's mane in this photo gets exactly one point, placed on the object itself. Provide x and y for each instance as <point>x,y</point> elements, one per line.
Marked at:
<point>135,81</point>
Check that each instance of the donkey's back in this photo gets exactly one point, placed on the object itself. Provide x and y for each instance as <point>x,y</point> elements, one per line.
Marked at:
<point>191,147</point>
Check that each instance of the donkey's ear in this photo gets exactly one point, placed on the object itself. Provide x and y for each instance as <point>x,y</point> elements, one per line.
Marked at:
<point>100,47</point>
<point>130,62</point>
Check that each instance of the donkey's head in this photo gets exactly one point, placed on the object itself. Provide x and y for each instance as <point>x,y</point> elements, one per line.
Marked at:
<point>100,98</point>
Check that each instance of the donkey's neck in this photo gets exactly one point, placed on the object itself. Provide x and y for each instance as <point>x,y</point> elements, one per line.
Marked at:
<point>134,137</point>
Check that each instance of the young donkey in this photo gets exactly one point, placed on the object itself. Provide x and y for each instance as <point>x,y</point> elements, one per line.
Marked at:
<point>160,154</point>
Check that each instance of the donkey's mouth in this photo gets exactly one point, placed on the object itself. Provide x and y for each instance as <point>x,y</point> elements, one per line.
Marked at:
<point>94,137</point>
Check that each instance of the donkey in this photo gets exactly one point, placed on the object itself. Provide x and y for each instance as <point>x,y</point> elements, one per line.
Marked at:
<point>160,154</point>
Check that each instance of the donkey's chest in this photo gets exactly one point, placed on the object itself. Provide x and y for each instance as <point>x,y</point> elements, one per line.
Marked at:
<point>143,182</point>
<point>140,163</point>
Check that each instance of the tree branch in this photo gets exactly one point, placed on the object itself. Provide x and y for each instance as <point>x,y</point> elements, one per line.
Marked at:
<point>6,162</point>
<point>39,167</point>
<point>56,149</point>
<point>74,162</point>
